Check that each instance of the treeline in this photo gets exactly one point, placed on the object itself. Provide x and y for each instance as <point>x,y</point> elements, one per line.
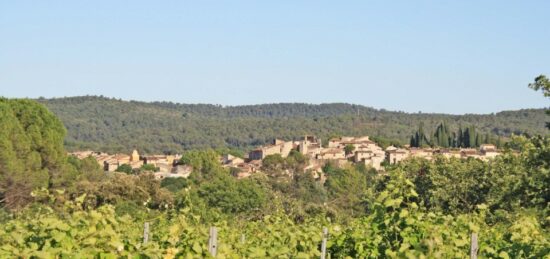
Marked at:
<point>112,125</point>
<point>463,138</point>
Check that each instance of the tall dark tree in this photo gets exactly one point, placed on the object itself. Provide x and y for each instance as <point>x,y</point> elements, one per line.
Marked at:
<point>460,138</point>
<point>478,140</point>
<point>472,135</point>
<point>420,138</point>
<point>441,137</point>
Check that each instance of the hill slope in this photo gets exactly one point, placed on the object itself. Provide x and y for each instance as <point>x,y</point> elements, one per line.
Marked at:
<point>113,125</point>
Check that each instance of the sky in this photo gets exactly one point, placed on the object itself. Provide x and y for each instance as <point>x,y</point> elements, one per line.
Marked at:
<point>430,56</point>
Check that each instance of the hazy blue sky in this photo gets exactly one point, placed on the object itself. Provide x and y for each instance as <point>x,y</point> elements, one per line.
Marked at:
<point>430,56</point>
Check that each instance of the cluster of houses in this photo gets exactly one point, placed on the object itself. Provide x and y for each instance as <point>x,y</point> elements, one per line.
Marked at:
<point>345,150</point>
<point>165,165</point>
<point>341,151</point>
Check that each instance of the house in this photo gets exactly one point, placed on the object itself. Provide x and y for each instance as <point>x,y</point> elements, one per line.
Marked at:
<point>262,152</point>
<point>470,153</point>
<point>230,160</point>
<point>448,153</point>
<point>488,151</point>
<point>111,163</point>
<point>277,147</point>
<point>426,153</point>
<point>122,158</point>
<point>310,146</point>
<point>156,160</point>
<point>341,142</point>
<point>102,158</point>
<point>370,158</point>
<point>487,147</point>
<point>395,155</point>
<point>331,154</point>
<point>337,142</point>
<point>178,171</point>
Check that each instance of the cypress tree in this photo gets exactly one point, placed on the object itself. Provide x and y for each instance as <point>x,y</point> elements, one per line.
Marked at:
<point>453,140</point>
<point>499,142</point>
<point>478,140</point>
<point>466,138</point>
<point>460,138</point>
<point>472,137</point>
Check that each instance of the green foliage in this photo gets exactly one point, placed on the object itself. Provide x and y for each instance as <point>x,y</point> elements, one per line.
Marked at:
<point>397,227</point>
<point>443,137</point>
<point>348,149</point>
<point>149,168</point>
<point>175,128</point>
<point>420,139</point>
<point>231,196</point>
<point>121,187</point>
<point>386,142</point>
<point>273,162</point>
<point>346,188</point>
<point>31,152</point>
<point>174,184</point>
<point>542,83</point>
<point>206,164</point>
<point>125,168</point>
<point>295,162</point>
<point>507,183</point>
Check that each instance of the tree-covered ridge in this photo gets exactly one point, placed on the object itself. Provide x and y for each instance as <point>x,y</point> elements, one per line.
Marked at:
<point>112,125</point>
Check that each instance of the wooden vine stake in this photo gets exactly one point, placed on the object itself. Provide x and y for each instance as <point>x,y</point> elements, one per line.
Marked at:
<point>213,241</point>
<point>145,233</point>
<point>473,246</point>
<point>324,244</point>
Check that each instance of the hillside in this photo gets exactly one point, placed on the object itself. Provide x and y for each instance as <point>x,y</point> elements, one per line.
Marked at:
<point>114,125</point>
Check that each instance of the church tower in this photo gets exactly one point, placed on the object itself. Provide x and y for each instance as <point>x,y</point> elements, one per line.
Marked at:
<point>135,156</point>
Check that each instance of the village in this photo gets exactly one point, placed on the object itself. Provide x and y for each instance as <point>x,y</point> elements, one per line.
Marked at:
<point>340,151</point>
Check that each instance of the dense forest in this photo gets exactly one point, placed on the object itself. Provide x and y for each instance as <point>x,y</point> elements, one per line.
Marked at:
<point>57,206</point>
<point>112,125</point>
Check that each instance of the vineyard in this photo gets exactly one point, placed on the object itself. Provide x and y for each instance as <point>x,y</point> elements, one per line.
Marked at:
<point>396,228</point>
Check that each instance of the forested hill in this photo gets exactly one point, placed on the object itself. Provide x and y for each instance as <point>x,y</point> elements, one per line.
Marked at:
<point>113,125</point>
